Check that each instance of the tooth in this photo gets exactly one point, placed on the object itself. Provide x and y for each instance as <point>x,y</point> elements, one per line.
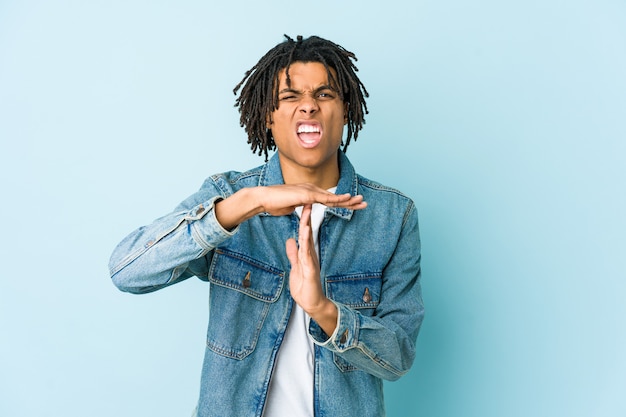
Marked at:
<point>308,129</point>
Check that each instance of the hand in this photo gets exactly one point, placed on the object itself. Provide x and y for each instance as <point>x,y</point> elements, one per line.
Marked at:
<point>304,279</point>
<point>278,200</point>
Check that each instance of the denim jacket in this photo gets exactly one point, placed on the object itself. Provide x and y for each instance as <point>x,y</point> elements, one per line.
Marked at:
<point>370,268</point>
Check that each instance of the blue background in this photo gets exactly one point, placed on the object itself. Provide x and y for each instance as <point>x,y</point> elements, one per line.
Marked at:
<point>505,121</point>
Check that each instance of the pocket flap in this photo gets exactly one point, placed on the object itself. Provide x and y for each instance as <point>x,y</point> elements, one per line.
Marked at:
<point>244,274</point>
<point>356,290</point>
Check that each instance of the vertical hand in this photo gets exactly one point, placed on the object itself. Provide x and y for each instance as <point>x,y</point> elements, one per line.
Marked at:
<point>304,278</point>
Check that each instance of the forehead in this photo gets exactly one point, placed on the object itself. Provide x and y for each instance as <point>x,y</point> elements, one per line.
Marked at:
<point>306,74</point>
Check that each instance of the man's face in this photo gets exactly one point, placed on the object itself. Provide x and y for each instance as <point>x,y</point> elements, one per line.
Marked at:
<point>308,125</point>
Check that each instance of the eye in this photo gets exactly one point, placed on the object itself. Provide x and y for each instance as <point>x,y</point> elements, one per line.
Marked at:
<point>326,94</point>
<point>288,97</point>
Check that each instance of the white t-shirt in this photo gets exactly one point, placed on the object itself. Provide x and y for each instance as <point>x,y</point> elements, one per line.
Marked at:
<point>291,388</point>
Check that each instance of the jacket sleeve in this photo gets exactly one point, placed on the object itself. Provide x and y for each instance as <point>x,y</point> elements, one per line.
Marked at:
<point>384,344</point>
<point>171,249</point>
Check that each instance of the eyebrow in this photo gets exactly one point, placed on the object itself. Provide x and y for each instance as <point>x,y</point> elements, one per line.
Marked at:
<point>317,90</point>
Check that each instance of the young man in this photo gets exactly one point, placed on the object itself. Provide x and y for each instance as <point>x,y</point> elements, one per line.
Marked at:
<point>314,271</point>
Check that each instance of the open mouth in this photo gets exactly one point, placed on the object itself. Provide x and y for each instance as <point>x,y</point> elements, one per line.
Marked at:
<point>309,134</point>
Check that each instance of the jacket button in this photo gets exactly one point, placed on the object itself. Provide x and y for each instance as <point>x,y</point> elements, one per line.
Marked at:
<point>246,280</point>
<point>367,297</point>
<point>344,337</point>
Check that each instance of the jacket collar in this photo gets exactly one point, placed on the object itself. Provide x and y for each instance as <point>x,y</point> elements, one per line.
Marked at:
<point>271,174</point>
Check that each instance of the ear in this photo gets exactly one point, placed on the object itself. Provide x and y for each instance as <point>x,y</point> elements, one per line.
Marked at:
<point>345,113</point>
<point>268,121</point>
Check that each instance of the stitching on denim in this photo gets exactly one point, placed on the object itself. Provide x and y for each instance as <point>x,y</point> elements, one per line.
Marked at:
<point>244,351</point>
<point>354,277</point>
<point>250,261</point>
<point>144,248</point>
<point>276,288</point>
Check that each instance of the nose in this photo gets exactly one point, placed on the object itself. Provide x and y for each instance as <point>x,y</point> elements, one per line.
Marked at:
<point>308,104</point>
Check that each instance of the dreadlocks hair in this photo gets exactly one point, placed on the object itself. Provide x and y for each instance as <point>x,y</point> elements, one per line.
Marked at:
<point>259,87</point>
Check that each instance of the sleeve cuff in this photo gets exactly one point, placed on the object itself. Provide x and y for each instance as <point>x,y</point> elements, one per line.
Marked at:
<point>345,335</point>
<point>205,228</point>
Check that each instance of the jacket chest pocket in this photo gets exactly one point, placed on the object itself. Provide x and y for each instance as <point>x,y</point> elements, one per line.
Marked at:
<point>358,291</point>
<point>241,294</point>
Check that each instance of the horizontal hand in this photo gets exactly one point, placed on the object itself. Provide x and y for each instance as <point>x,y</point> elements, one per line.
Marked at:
<point>278,200</point>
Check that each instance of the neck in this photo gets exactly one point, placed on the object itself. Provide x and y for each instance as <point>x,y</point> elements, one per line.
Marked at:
<point>324,177</point>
